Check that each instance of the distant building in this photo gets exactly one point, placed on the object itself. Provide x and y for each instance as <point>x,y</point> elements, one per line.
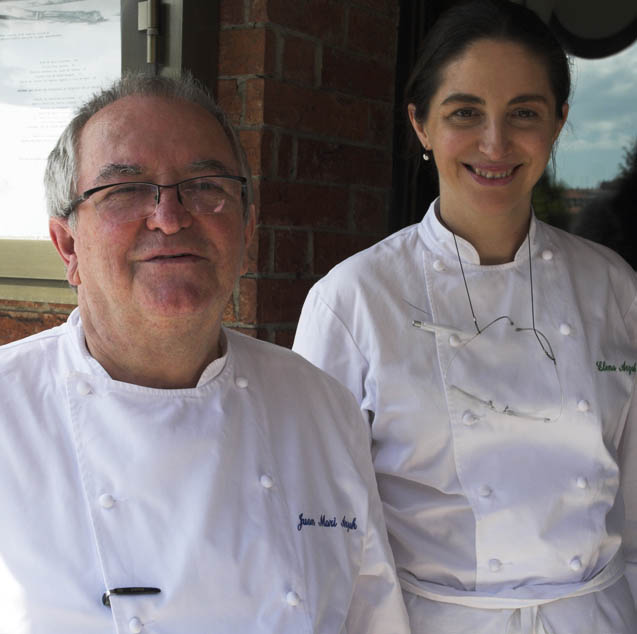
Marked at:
<point>576,199</point>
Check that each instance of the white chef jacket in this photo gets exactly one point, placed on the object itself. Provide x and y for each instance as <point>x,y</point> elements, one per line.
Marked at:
<point>249,500</point>
<point>508,481</point>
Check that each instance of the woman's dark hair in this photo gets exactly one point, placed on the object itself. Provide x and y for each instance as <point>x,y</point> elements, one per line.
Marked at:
<point>464,24</point>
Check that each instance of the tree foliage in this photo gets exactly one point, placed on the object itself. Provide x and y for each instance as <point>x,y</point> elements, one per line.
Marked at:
<point>612,220</point>
<point>548,201</point>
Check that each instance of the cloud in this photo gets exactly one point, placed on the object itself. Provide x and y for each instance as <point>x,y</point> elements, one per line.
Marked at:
<point>602,118</point>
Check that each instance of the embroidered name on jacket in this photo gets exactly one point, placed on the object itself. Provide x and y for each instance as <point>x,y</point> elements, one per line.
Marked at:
<point>326,522</point>
<point>603,366</point>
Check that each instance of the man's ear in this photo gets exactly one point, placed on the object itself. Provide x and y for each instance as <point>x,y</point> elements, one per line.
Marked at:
<point>248,234</point>
<point>64,241</point>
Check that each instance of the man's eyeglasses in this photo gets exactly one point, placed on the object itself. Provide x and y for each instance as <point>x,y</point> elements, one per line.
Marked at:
<point>125,202</point>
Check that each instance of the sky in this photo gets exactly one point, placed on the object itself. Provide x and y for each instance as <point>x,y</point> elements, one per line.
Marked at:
<point>602,119</point>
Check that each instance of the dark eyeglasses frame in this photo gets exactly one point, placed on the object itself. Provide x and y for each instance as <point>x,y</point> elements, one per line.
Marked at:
<point>89,192</point>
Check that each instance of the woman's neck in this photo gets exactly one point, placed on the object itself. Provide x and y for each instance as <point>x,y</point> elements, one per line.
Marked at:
<point>496,239</point>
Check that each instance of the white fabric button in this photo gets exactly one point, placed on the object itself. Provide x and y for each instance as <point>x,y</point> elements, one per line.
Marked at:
<point>439,266</point>
<point>495,565</point>
<point>454,341</point>
<point>292,598</point>
<point>469,418</point>
<point>241,382</point>
<point>83,388</point>
<point>135,625</point>
<point>106,501</point>
<point>565,329</point>
<point>582,482</point>
<point>547,255</point>
<point>266,481</point>
<point>583,406</point>
<point>575,564</point>
<point>485,491</point>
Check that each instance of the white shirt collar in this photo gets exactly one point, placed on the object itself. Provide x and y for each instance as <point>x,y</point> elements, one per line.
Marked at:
<point>94,367</point>
<point>440,240</point>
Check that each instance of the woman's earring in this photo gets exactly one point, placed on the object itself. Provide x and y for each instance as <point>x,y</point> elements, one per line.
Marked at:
<point>425,155</point>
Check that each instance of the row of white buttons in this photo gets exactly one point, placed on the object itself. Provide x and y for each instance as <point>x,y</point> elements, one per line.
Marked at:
<point>84,389</point>
<point>439,265</point>
<point>495,565</point>
<point>107,501</point>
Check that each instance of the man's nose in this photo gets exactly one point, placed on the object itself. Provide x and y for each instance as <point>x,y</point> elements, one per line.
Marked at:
<point>170,216</point>
<point>494,139</point>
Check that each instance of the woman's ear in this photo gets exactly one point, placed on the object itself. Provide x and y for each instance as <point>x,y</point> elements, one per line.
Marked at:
<point>64,242</point>
<point>418,127</point>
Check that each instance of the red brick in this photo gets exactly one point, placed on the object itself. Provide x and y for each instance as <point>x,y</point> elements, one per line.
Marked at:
<point>308,110</point>
<point>303,205</point>
<point>370,211</point>
<point>345,164</point>
<point>284,337</point>
<point>254,95</point>
<point>17,325</point>
<point>281,300</point>
<point>323,19</point>
<point>381,124</point>
<point>251,142</point>
<point>298,59</point>
<point>291,251</point>
<point>268,166</point>
<point>266,250</point>
<point>332,248</point>
<point>246,51</point>
<point>388,7</point>
<point>231,12</point>
<point>287,157</point>
<point>247,300</point>
<point>357,76</point>
<point>372,34</point>
<point>229,99</point>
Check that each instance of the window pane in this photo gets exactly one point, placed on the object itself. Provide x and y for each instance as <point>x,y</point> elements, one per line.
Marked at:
<point>52,57</point>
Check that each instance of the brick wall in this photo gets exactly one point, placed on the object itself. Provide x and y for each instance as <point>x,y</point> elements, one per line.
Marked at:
<point>309,83</point>
<point>21,319</point>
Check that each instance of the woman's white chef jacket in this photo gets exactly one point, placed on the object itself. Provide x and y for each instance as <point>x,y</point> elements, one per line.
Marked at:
<point>488,508</point>
<point>199,492</point>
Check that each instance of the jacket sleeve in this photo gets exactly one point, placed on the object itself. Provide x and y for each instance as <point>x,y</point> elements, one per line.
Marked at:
<point>324,339</point>
<point>377,605</point>
<point>628,470</point>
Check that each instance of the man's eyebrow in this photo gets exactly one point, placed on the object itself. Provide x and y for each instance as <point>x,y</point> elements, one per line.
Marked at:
<point>211,165</point>
<point>110,170</point>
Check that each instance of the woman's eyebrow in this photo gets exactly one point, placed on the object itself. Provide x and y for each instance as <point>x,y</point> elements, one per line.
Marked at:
<point>529,98</point>
<point>462,97</point>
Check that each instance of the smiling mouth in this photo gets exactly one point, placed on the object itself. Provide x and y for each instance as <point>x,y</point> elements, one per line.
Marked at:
<point>491,174</point>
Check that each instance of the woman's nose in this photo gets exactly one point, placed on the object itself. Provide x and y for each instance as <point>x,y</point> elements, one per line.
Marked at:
<point>494,139</point>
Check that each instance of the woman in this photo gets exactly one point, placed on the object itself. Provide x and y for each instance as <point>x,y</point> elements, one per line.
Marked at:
<point>494,356</point>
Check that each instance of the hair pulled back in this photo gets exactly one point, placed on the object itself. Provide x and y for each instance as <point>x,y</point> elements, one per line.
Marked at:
<point>464,24</point>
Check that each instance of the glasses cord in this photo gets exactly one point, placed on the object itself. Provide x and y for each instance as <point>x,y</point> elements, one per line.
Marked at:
<point>548,352</point>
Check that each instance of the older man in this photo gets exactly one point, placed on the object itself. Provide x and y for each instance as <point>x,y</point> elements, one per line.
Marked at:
<point>159,473</point>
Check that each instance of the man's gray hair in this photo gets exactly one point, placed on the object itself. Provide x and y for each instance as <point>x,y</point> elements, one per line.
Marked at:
<point>60,176</point>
